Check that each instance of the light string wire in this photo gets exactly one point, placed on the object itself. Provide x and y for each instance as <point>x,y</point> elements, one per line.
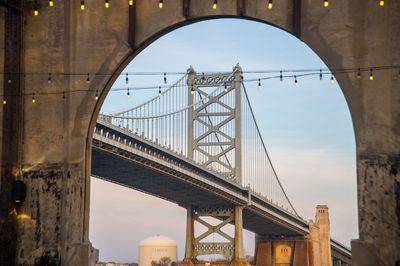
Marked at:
<point>283,74</point>
<point>162,73</point>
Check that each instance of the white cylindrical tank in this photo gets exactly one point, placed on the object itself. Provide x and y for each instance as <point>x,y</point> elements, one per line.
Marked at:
<point>157,247</point>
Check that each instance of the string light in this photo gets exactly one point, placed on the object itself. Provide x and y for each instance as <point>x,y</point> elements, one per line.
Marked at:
<point>96,97</point>
<point>270,4</point>
<point>4,100</point>
<point>35,9</point>
<point>161,4</point>
<point>295,81</point>
<point>215,4</point>
<point>159,90</point>
<point>33,98</point>
<point>126,78</point>
<point>192,89</point>
<point>128,94</point>
<point>130,2</point>
<point>51,3</point>
<point>381,2</point>
<point>63,95</point>
<point>299,73</point>
<point>82,5</point>
<point>165,78</point>
<point>320,74</point>
<point>225,87</point>
<point>326,3</point>
<point>107,4</point>
<point>259,83</point>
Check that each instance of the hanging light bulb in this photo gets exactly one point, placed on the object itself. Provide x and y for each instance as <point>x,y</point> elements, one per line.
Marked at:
<point>259,83</point>
<point>281,76</point>
<point>63,95</point>
<point>225,87</point>
<point>381,2</point>
<point>128,94</point>
<point>126,78</point>
<point>320,74</point>
<point>4,100</point>
<point>49,78</point>
<point>33,98</point>
<point>326,3</point>
<point>88,78</point>
<point>96,97</point>
<point>295,81</point>
<point>82,5</point>
<point>161,4</point>
<point>371,75</point>
<point>165,78</point>
<point>107,4</point>
<point>51,3</point>
<point>159,90</point>
<point>35,9</point>
<point>9,81</point>
<point>192,89</point>
<point>332,79</point>
<point>270,5</point>
<point>215,4</point>
<point>359,73</point>
<point>130,2</point>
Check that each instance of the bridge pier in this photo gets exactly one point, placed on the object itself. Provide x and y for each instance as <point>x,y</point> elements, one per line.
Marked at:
<point>312,250</point>
<point>271,251</point>
<point>196,247</point>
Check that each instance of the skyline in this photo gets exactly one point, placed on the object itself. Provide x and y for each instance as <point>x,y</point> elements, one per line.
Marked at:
<point>302,143</point>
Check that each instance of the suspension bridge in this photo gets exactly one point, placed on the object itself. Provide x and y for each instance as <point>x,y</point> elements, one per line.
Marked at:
<point>198,144</point>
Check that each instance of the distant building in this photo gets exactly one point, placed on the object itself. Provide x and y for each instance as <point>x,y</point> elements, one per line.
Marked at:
<point>157,250</point>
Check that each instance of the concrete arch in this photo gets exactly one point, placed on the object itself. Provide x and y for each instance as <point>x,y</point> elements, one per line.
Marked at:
<point>56,136</point>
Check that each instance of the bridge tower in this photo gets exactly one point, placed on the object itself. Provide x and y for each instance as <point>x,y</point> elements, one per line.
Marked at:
<point>214,126</point>
<point>214,140</point>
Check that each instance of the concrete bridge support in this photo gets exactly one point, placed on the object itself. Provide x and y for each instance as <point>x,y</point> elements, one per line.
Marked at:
<point>233,247</point>
<point>313,250</point>
<point>272,251</point>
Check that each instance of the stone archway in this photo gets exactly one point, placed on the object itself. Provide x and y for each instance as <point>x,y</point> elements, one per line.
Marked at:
<point>56,136</point>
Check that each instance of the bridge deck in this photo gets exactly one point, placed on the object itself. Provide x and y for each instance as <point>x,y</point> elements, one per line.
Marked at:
<point>157,171</point>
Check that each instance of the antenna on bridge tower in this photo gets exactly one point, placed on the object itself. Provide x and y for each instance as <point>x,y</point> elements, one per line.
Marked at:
<point>214,126</point>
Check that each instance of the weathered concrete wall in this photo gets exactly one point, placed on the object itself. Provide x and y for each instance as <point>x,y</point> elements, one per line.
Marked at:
<point>57,132</point>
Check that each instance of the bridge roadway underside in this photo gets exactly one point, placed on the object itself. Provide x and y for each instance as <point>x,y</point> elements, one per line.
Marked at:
<point>145,178</point>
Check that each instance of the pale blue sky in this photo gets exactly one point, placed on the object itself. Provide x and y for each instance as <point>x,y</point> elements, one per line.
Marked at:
<point>307,129</point>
